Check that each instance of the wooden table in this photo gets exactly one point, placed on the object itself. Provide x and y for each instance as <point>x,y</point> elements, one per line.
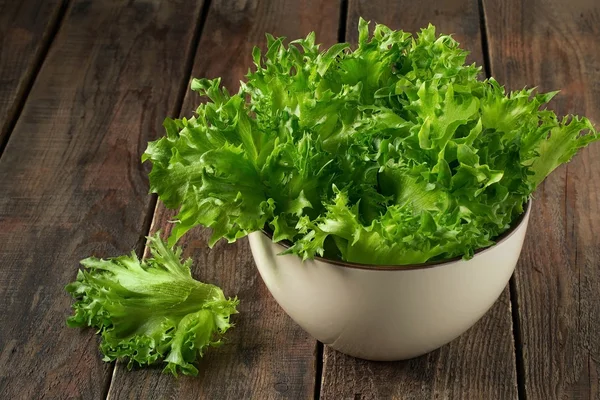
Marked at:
<point>85,84</point>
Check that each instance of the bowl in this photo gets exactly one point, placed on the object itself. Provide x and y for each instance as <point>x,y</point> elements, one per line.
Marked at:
<point>388,313</point>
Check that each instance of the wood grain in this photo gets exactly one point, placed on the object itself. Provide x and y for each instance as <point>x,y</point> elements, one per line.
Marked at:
<point>480,364</point>
<point>72,184</point>
<point>267,356</point>
<point>554,45</point>
<point>457,17</point>
<point>26,28</point>
<point>477,365</point>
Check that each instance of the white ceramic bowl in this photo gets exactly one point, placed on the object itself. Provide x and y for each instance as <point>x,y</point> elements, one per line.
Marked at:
<point>388,313</point>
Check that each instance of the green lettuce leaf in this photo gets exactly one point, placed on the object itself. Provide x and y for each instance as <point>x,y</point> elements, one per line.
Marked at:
<point>151,310</point>
<point>394,152</point>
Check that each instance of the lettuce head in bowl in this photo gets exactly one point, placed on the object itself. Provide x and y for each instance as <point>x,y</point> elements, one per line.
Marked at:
<point>392,153</point>
<point>391,184</point>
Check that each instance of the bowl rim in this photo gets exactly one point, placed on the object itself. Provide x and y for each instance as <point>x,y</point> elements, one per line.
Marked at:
<point>411,267</point>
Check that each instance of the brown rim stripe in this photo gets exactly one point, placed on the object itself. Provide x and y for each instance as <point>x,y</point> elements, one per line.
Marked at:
<point>408,267</point>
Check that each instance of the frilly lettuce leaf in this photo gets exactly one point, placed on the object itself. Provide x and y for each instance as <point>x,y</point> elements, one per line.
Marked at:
<point>391,153</point>
<point>151,310</point>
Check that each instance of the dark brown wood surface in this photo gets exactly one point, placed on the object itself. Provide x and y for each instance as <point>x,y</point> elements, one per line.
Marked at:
<point>480,364</point>
<point>26,28</point>
<point>71,183</point>
<point>84,85</point>
<point>457,17</point>
<point>267,356</point>
<point>554,45</point>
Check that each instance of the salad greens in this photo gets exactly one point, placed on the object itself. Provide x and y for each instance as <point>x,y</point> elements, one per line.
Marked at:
<point>150,310</point>
<point>394,153</point>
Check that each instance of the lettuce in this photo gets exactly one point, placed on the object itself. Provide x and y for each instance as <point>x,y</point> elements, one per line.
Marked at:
<point>151,310</point>
<point>392,153</point>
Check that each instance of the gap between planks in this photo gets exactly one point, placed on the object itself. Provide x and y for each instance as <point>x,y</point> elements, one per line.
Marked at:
<point>36,65</point>
<point>141,249</point>
<point>514,303</point>
<point>320,348</point>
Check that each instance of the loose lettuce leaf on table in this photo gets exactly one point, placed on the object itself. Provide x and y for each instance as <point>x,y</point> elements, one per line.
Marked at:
<point>150,310</point>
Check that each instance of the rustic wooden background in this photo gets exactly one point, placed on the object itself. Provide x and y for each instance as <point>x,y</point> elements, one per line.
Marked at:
<point>84,85</point>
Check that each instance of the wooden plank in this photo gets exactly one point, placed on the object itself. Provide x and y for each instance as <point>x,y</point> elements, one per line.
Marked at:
<point>267,355</point>
<point>26,29</point>
<point>480,364</point>
<point>457,17</point>
<point>558,279</point>
<point>72,184</point>
<point>477,365</point>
